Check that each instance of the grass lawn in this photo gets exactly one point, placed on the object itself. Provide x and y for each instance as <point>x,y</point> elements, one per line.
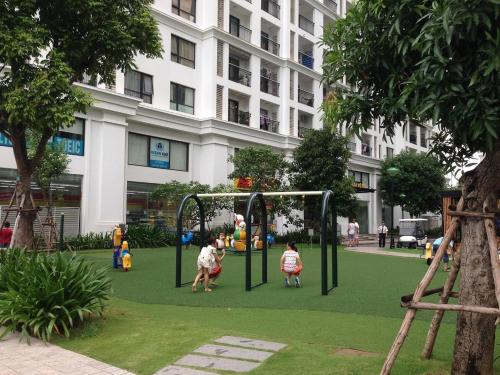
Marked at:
<point>151,324</point>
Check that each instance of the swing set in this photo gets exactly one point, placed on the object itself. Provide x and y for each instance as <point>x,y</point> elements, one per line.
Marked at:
<point>328,201</point>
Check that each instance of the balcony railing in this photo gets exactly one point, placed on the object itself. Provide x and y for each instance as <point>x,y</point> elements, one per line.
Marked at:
<point>413,139</point>
<point>331,4</point>
<point>306,97</point>
<point>271,7</point>
<point>240,75</point>
<point>366,149</point>
<point>306,60</point>
<point>240,117</point>
<point>306,24</point>
<point>242,32</point>
<point>270,86</point>
<point>269,45</point>
<point>351,146</point>
<point>268,124</point>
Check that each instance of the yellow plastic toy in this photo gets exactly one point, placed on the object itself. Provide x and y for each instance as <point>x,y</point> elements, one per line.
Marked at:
<point>428,250</point>
<point>126,257</point>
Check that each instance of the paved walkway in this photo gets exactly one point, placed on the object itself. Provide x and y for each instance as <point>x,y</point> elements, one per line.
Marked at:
<point>19,358</point>
<point>379,251</point>
<point>227,353</point>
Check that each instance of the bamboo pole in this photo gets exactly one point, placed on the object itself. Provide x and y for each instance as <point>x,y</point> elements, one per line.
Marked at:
<point>438,316</point>
<point>483,215</point>
<point>495,265</point>
<point>422,286</point>
<point>447,307</point>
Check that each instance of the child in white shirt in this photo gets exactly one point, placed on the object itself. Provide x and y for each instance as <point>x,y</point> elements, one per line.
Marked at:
<point>291,264</point>
<point>207,260</point>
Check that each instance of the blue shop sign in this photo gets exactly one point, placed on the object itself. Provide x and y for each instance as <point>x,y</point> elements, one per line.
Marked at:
<point>71,146</point>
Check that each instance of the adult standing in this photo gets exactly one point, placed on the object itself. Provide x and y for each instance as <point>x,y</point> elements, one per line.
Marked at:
<point>356,233</point>
<point>351,231</point>
<point>5,236</point>
<point>382,234</point>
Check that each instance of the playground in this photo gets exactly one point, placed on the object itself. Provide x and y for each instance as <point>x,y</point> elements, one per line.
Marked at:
<point>151,324</point>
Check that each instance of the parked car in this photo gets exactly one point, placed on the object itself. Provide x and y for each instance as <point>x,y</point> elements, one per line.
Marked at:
<point>411,233</point>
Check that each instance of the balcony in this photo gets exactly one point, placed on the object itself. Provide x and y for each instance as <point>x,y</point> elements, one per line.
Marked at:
<point>306,97</point>
<point>306,60</point>
<point>240,117</point>
<point>302,131</point>
<point>269,86</point>
<point>240,75</point>
<point>306,24</point>
<point>269,45</point>
<point>271,7</point>
<point>366,150</point>
<point>241,32</point>
<point>268,124</point>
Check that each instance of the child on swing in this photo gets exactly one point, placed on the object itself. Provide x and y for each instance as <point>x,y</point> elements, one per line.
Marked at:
<point>291,264</point>
<point>207,260</point>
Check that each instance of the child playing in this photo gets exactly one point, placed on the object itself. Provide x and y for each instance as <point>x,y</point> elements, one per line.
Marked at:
<point>291,264</point>
<point>207,260</point>
<point>5,236</point>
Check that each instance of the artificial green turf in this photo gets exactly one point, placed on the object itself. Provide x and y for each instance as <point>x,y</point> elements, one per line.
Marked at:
<point>151,324</point>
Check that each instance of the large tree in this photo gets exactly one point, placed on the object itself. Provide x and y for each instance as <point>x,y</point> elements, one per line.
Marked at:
<point>320,163</point>
<point>434,61</point>
<point>46,46</point>
<point>417,184</point>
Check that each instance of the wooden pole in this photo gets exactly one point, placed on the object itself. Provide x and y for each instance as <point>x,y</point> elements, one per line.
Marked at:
<point>421,288</point>
<point>447,307</point>
<point>438,316</point>
<point>495,266</point>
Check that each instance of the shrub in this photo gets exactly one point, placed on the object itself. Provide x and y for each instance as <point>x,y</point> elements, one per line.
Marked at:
<point>89,241</point>
<point>41,294</point>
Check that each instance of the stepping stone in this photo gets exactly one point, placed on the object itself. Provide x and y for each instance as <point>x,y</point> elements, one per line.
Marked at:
<point>177,370</point>
<point>225,364</point>
<point>232,352</point>
<point>250,343</point>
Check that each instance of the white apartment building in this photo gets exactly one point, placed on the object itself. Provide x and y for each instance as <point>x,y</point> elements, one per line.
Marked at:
<point>234,73</point>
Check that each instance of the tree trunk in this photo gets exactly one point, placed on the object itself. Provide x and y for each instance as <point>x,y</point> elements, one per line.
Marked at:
<point>475,333</point>
<point>23,227</point>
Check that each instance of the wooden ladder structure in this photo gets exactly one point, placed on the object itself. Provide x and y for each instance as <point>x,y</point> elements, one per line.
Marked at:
<point>19,210</point>
<point>413,301</point>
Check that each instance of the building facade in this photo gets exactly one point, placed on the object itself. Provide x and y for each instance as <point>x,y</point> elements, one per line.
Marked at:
<point>234,73</point>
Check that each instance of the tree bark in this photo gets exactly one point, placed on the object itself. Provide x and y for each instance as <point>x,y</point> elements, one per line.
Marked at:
<point>475,333</point>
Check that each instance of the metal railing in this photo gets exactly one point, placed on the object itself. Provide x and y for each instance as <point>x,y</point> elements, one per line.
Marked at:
<point>306,60</point>
<point>306,24</point>
<point>269,45</point>
<point>268,124</point>
<point>242,32</point>
<point>241,117</point>
<point>331,4</point>
<point>271,7</point>
<point>240,75</point>
<point>270,86</point>
<point>306,97</point>
<point>302,131</point>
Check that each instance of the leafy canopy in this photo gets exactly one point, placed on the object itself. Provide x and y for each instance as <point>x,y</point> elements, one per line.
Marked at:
<point>45,46</point>
<point>433,61</point>
<point>320,163</point>
<point>419,177</point>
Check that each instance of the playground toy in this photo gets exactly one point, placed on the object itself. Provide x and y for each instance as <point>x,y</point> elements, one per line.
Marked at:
<point>116,237</point>
<point>126,258</point>
<point>328,200</point>
<point>187,238</point>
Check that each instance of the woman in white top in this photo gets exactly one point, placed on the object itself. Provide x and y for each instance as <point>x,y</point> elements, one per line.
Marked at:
<point>291,264</point>
<point>207,259</point>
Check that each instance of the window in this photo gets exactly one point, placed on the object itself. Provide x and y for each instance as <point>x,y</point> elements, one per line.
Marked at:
<point>181,98</point>
<point>139,85</point>
<point>361,179</point>
<point>185,8</point>
<point>183,51</point>
<point>423,137</point>
<point>157,152</point>
<point>72,138</point>
<point>389,153</point>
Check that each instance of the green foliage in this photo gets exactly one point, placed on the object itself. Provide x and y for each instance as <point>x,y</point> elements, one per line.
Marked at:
<point>41,294</point>
<point>88,241</point>
<point>320,163</point>
<point>173,192</point>
<point>426,61</point>
<point>420,179</point>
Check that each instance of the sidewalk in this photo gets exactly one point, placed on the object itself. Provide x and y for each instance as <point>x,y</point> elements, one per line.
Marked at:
<point>380,251</point>
<point>19,358</point>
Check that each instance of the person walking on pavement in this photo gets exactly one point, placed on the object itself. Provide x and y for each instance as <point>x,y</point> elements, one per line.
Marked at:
<point>382,234</point>
<point>356,233</point>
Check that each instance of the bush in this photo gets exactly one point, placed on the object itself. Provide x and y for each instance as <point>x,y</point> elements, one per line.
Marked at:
<point>89,241</point>
<point>41,294</point>
<point>302,236</point>
<point>435,232</point>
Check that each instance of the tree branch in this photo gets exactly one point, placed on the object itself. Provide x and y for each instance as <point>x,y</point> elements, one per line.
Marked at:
<point>40,148</point>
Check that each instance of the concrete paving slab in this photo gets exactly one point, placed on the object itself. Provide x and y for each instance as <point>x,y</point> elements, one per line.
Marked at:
<point>178,370</point>
<point>250,343</point>
<point>225,364</point>
<point>232,352</point>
